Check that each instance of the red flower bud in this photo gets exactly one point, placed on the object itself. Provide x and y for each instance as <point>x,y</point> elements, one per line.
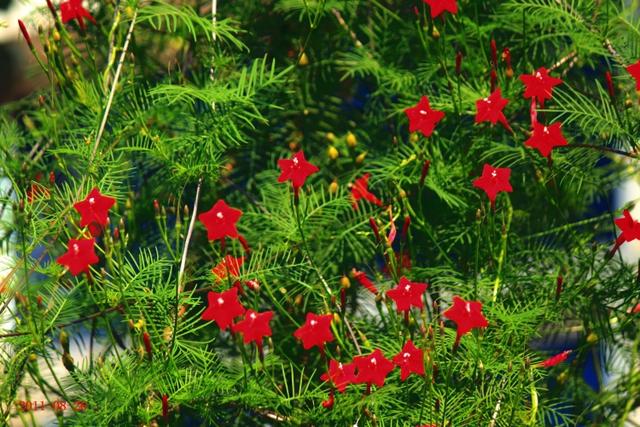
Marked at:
<point>156,206</point>
<point>25,33</point>
<point>374,227</point>
<point>405,226</point>
<point>425,171</point>
<point>165,407</point>
<point>559,282</point>
<point>147,344</point>
<point>253,284</point>
<point>607,76</point>
<point>494,54</point>
<point>458,63</point>
<point>329,402</point>
<point>52,9</point>
<point>506,55</point>
<point>416,11</point>
<point>52,178</point>
<point>116,234</point>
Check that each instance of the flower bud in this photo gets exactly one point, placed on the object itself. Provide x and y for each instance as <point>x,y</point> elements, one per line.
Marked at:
<point>494,79</point>
<point>345,283</point>
<point>25,33</point>
<point>147,344</point>
<point>425,170</point>
<point>333,187</point>
<point>360,158</point>
<point>304,60</point>
<point>458,63</point>
<point>67,361</point>
<point>352,141</point>
<point>332,152</point>
<point>330,136</point>
<point>607,77</point>
<point>64,341</point>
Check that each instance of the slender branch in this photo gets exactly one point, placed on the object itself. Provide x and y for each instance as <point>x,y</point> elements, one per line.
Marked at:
<point>183,261</point>
<point>600,148</point>
<point>113,86</point>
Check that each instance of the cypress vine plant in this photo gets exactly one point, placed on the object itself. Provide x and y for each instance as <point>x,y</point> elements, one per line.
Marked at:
<point>322,212</point>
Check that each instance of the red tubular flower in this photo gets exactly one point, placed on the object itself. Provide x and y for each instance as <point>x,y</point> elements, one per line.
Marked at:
<point>73,9</point>
<point>296,170</point>
<point>607,78</point>
<point>94,210</point>
<point>330,401</point>
<point>407,294</point>
<point>555,360</point>
<point>636,309</point>
<point>374,226</point>
<point>539,85</point>
<point>405,227</point>
<point>147,344</point>
<point>458,63</point>
<point>364,281</point>
<point>80,254</point>
<point>629,229</point>
<point>410,360</point>
<point>467,315</point>
<point>229,266</point>
<point>393,231</point>
<point>634,70</point>
<point>223,307</point>
<point>546,138</point>
<point>316,331</point>
<point>425,170</point>
<point>373,368</point>
<point>254,327</point>
<point>490,109</point>
<point>440,6</point>
<point>341,375</point>
<point>493,181</point>
<point>25,33</point>
<point>220,221</point>
<point>422,118</point>
<point>360,190</point>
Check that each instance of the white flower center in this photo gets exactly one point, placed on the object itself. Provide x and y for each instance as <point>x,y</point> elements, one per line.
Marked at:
<point>406,355</point>
<point>76,249</point>
<point>340,365</point>
<point>545,130</point>
<point>220,301</point>
<point>424,113</point>
<point>374,361</point>
<point>295,161</point>
<point>487,100</point>
<point>219,215</point>
<point>467,307</point>
<point>494,173</point>
<point>538,75</point>
<point>407,288</point>
<point>92,200</point>
<point>253,316</point>
<point>313,322</point>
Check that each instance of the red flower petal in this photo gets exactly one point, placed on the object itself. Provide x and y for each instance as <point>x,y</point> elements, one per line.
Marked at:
<point>493,181</point>
<point>220,221</point>
<point>407,294</point>
<point>79,256</point>
<point>223,307</point>
<point>316,331</point>
<point>254,326</point>
<point>410,360</point>
<point>422,118</point>
<point>297,170</point>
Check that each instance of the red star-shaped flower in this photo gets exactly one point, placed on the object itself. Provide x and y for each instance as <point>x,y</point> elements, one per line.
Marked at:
<point>296,169</point>
<point>80,254</point>
<point>490,109</point>
<point>94,210</point>
<point>223,308</point>
<point>493,181</point>
<point>360,190</point>
<point>422,117</point>
<point>539,85</point>
<point>467,315</point>
<point>634,70</point>
<point>439,6</point>
<point>254,326</point>
<point>629,229</point>
<point>556,360</point>
<point>340,374</point>
<point>373,368</point>
<point>546,138</point>
<point>228,266</point>
<point>73,9</point>
<point>407,294</point>
<point>220,221</point>
<point>316,331</point>
<point>410,360</point>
